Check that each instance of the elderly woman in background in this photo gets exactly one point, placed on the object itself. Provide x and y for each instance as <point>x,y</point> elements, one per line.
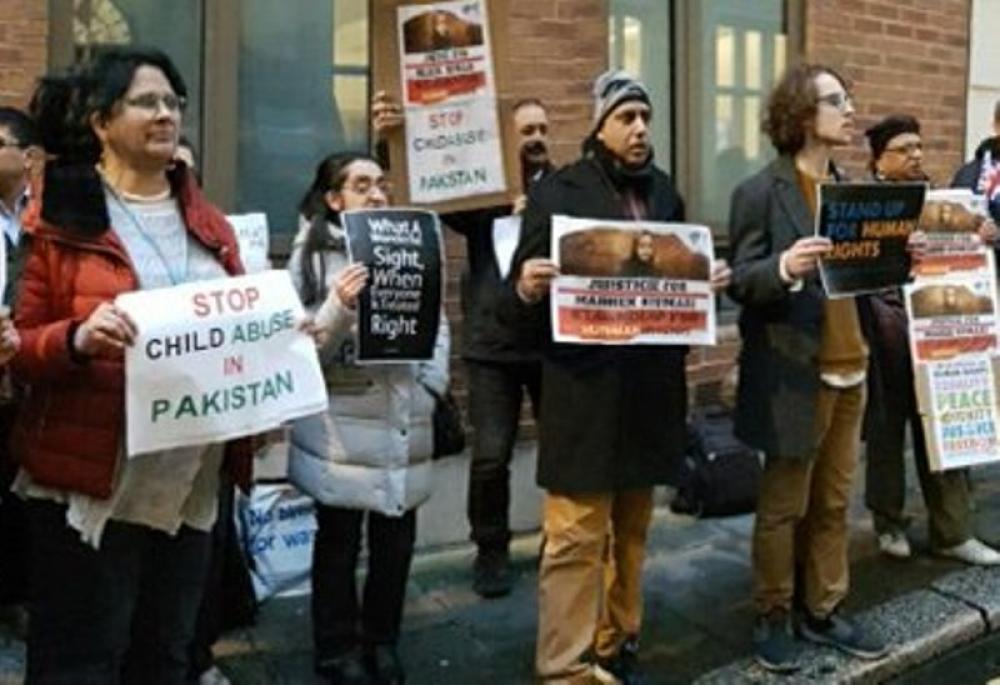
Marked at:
<point>119,547</point>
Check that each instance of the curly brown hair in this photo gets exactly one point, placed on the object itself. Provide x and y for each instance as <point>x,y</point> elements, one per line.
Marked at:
<point>792,104</point>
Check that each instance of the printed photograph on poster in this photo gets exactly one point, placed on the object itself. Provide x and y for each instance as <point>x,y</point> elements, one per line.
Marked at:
<point>632,283</point>
<point>869,225</point>
<point>399,310</point>
<point>952,317</point>
<point>453,139</point>
<point>961,421</point>
<point>950,221</point>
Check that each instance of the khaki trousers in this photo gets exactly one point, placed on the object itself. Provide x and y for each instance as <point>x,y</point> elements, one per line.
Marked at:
<point>802,513</point>
<point>590,581</point>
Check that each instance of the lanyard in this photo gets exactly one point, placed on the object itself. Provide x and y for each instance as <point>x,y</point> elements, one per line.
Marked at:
<point>176,276</point>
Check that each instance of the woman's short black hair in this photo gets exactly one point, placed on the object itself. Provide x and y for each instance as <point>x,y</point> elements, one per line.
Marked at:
<point>63,104</point>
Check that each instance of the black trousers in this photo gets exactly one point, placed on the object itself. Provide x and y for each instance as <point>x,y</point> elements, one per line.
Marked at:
<point>124,613</point>
<point>13,540</point>
<point>339,623</point>
<point>228,600</point>
<point>496,391</point>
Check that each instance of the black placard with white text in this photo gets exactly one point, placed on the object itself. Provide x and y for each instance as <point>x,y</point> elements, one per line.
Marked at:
<point>869,225</point>
<point>400,308</point>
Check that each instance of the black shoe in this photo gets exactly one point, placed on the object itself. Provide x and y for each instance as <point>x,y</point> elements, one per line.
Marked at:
<point>347,668</point>
<point>385,666</point>
<point>491,572</point>
<point>774,646</point>
<point>845,635</point>
<point>624,665</point>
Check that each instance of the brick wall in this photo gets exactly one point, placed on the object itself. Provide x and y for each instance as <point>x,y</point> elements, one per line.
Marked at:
<point>908,56</point>
<point>558,47</point>
<point>23,48</point>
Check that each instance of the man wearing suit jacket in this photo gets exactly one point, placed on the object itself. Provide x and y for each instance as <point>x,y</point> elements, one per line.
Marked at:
<point>802,376</point>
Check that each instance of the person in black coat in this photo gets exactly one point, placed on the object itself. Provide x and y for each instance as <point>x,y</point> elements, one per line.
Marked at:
<point>501,370</point>
<point>612,422</point>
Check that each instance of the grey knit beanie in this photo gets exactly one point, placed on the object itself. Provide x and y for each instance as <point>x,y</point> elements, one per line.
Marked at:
<point>611,89</point>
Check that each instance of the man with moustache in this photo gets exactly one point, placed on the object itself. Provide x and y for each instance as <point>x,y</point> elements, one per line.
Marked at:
<point>613,416</point>
<point>500,369</point>
<point>802,365</point>
<point>897,156</point>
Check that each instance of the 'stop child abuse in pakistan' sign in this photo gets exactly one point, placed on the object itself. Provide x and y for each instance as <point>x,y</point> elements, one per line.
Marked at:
<point>400,308</point>
<point>217,360</point>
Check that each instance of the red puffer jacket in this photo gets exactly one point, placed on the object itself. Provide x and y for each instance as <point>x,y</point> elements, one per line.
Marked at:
<point>70,430</point>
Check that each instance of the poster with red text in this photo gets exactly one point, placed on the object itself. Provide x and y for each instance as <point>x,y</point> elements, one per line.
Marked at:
<point>217,360</point>
<point>632,283</point>
<point>954,333</point>
<point>453,132</point>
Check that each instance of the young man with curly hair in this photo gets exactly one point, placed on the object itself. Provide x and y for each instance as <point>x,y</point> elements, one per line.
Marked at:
<point>802,376</point>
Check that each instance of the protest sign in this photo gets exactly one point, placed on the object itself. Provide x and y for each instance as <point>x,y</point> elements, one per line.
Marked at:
<point>506,234</point>
<point>961,421</point>
<point>400,308</point>
<point>952,317</point>
<point>869,225</point>
<point>454,150</point>
<point>950,221</point>
<point>216,360</point>
<point>632,283</point>
<point>954,336</point>
<point>252,236</point>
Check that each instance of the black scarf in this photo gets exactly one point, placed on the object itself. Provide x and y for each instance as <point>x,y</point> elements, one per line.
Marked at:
<point>622,177</point>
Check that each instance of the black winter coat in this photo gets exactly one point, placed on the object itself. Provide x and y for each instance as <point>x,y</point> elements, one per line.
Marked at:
<point>612,417</point>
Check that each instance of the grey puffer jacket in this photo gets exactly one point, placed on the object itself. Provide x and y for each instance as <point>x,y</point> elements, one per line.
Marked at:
<point>372,448</point>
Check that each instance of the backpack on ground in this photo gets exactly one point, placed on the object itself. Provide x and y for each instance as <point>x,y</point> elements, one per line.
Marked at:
<point>720,475</point>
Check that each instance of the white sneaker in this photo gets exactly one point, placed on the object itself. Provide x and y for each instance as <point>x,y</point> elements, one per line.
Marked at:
<point>894,544</point>
<point>972,551</point>
<point>213,676</point>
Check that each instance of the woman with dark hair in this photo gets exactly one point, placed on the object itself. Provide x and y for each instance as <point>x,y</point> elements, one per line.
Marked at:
<point>369,455</point>
<point>119,546</point>
<point>640,263</point>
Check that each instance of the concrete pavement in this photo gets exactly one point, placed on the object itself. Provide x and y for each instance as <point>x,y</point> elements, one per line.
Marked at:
<point>698,613</point>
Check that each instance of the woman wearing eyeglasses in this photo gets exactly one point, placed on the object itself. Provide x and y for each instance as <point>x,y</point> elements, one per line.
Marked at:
<point>369,455</point>
<point>119,547</point>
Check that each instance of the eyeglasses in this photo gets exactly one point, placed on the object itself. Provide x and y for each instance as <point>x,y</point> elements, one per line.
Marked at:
<point>151,102</point>
<point>839,101</point>
<point>4,144</point>
<point>909,149</point>
<point>365,185</point>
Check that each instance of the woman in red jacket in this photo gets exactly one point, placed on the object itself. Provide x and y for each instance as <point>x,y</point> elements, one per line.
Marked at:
<point>119,547</point>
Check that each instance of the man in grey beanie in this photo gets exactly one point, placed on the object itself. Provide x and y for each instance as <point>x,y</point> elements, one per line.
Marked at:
<point>612,420</point>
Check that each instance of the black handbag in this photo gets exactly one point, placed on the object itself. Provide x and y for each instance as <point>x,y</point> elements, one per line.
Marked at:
<point>720,475</point>
<point>449,431</point>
